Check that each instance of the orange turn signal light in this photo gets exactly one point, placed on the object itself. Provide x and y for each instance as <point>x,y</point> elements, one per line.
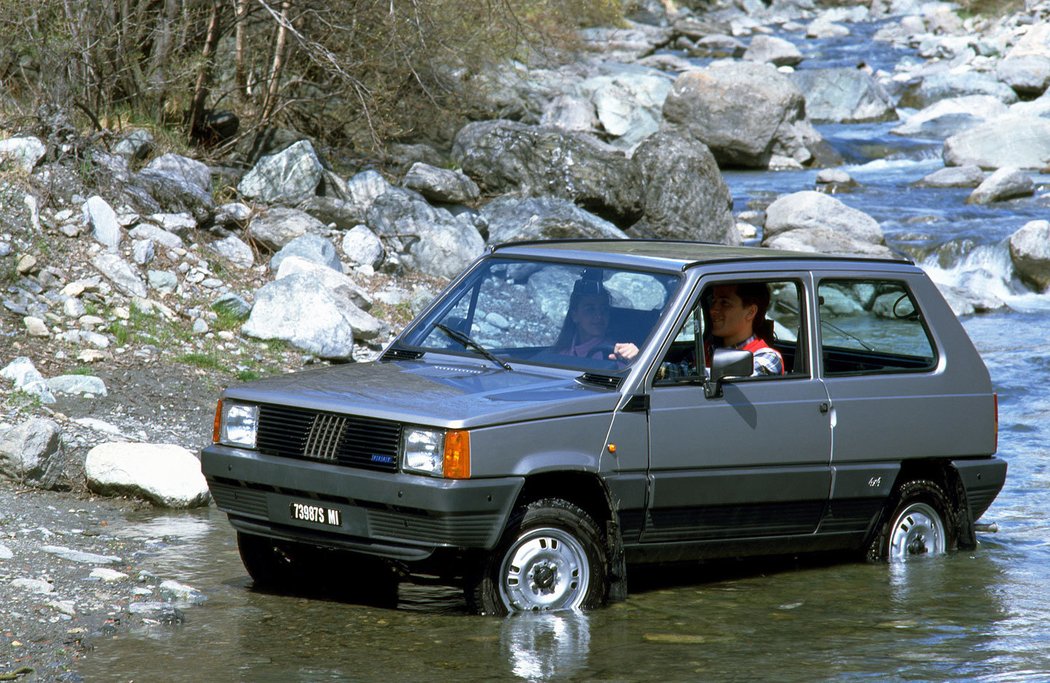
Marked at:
<point>217,427</point>
<point>457,454</point>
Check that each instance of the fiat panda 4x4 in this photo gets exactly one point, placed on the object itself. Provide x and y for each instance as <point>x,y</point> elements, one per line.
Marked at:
<point>505,444</point>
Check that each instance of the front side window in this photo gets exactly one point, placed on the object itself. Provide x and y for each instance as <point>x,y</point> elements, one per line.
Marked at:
<point>563,314</point>
<point>761,316</point>
<point>872,326</point>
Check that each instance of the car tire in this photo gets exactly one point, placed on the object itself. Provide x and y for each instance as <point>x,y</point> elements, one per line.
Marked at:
<point>550,558</point>
<point>305,570</point>
<point>916,523</point>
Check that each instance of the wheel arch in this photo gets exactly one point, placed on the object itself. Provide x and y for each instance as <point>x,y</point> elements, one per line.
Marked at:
<point>588,491</point>
<point>943,473</point>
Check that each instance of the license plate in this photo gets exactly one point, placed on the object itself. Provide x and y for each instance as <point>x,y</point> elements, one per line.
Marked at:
<point>316,514</point>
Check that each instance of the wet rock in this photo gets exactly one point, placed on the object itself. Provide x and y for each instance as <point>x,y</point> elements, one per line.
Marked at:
<point>1005,183</point>
<point>287,177</point>
<point>32,453</point>
<point>947,84</point>
<point>511,218</point>
<point>770,50</point>
<point>181,594</point>
<point>1030,253</point>
<point>163,612</point>
<point>813,221</point>
<point>719,46</point>
<point>834,180</point>
<point>948,117</point>
<point>1021,142</point>
<point>106,575</point>
<point>954,176</point>
<point>441,185</point>
<point>165,474</point>
<point>843,96</point>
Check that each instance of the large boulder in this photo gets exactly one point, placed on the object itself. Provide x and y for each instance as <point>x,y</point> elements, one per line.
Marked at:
<point>122,274</point>
<point>843,96</point>
<point>946,84</point>
<point>748,114</point>
<point>1021,142</point>
<point>1005,183</point>
<point>427,239</point>
<point>771,50</point>
<point>311,247</point>
<point>505,156</point>
<point>280,225</point>
<point>23,152</point>
<point>164,474</point>
<point>945,118</point>
<point>1027,75</point>
<point>287,177</point>
<point>302,311</point>
<point>441,184</point>
<point>683,193</point>
<point>543,218</point>
<point>816,222</point>
<point>179,184</point>
<point>627,101</point>
<point>1030,253</point>
<point>31,453</point>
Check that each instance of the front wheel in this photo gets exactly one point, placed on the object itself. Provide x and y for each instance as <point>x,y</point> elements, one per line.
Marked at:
<point>550,558</point>
<point>918,524</point>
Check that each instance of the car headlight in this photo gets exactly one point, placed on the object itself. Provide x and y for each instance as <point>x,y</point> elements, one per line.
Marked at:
<point>237,424</point>
<point>436,452</point>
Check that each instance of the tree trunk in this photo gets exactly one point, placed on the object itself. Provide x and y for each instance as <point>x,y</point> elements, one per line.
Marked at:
<point>200,90</point>
<point>274,79</point>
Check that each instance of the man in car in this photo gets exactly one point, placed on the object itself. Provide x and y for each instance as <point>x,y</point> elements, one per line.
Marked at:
<point>737,316</point>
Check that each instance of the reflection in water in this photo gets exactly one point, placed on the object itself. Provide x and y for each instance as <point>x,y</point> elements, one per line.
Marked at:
<point>547,645</point>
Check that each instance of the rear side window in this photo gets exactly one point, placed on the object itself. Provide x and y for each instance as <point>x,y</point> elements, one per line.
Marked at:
<point>872,326</point>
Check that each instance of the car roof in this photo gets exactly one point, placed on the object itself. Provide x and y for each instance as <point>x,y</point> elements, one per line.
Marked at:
<point>668,254</point>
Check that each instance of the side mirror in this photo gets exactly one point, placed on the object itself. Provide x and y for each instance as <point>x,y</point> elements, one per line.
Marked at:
<point>728,363</point>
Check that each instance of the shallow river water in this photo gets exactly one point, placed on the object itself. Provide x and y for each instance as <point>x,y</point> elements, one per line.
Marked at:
<point>980,615</point>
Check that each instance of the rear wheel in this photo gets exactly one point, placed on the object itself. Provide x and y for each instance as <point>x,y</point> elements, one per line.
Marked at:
<point>550,558</point>
<point>918,524</point>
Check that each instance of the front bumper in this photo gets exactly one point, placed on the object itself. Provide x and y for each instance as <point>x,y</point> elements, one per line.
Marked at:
<point>397,516</point>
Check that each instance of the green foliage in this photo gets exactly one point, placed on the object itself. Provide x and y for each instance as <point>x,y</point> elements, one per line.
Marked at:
<point>248,375</point>
<point>990,8</point>
<point>205,361</point>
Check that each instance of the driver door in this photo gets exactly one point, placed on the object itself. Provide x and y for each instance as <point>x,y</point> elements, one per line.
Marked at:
<point>753,462</point>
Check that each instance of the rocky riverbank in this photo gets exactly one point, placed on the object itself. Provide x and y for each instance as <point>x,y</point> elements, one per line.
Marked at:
<point>136,284</point>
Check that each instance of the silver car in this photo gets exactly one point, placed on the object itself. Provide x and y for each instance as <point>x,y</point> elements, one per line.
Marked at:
<point>562,413</point>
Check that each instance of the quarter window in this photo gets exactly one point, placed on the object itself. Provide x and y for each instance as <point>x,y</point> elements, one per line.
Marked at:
<point>872,326</point>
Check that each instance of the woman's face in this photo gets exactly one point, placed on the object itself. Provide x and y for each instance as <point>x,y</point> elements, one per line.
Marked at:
<point>591,315</point>
<point>730,319</point>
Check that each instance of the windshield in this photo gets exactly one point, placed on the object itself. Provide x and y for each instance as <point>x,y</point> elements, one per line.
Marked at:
<point>564,314</point>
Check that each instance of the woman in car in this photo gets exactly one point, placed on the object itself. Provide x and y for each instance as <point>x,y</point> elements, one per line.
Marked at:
<point>584,334</point>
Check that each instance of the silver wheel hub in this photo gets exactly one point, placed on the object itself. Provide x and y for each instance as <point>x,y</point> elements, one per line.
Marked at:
<point>918,530</point>
<point>545,569</point>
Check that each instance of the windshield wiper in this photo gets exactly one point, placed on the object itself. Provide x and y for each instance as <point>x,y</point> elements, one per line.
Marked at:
<point>467,341</point>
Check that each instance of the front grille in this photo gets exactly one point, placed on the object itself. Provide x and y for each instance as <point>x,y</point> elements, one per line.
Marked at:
<point>348,440</point>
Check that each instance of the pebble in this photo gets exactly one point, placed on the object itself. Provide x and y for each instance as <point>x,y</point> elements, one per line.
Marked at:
<point>79,555</point>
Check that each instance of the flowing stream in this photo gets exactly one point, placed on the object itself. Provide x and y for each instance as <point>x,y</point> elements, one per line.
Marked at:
<point>981,615</point>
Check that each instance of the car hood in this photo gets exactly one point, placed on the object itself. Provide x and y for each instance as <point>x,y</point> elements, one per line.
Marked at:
<point>447,394</point>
